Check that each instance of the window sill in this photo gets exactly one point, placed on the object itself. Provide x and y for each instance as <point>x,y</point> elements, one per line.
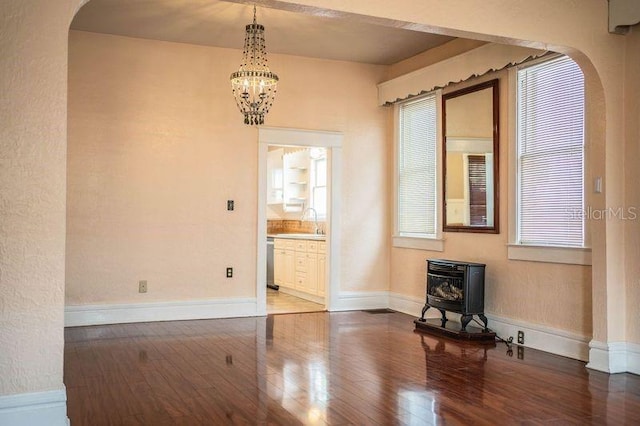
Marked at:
<point>550,254</point>
<point>418,243</point>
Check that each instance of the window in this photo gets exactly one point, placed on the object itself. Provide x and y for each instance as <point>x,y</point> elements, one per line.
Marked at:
<point>417,192</point>
<point>319,185</point>
<point>550,154</point>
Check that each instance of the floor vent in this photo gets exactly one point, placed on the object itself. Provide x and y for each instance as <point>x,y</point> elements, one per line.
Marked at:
<point>379,311</point>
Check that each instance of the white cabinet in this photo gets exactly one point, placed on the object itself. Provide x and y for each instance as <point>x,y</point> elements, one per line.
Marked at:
<point>300,265</point>
<point>312,275</point>
<point>301,269</point>
<point>289,276</point>
<point>322,268</point>
<point>283,263</point>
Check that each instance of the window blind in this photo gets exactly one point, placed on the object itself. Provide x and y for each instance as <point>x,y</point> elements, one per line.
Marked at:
<point>477,190</point>
<point>550,133</point>
<point>417,168</point>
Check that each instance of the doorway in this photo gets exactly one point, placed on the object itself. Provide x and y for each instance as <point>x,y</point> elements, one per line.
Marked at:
<point>296,228</point>
<point>298,208</point>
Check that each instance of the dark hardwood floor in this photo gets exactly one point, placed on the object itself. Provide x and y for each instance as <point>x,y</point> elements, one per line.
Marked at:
<point>326,368</point>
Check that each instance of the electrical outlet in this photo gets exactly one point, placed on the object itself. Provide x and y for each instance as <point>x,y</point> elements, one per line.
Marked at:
<point>229,272</point>
<point>230,205</point>
<point>142,286</point>
<point>520,337</point>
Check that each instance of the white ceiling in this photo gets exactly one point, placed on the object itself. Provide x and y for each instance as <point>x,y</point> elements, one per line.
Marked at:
<point>220,23</point>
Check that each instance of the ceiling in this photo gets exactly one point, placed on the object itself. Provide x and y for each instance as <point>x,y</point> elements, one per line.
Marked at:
<point>221,24</point>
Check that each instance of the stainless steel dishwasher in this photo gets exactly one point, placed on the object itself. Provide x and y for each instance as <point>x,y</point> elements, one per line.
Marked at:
<point>270,281</point>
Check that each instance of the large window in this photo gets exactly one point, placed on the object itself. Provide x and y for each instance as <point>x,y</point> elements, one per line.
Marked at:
<point>550,154</point>
<point>417,193</point>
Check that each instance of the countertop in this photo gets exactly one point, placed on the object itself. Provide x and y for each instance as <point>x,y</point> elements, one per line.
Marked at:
<point>314,237</point>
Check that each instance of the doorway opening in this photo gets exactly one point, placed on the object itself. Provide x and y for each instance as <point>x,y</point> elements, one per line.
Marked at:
<point>298,230</point>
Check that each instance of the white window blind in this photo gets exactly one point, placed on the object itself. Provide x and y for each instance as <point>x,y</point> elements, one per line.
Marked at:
<point>550,133</point>
<point>417,168</point>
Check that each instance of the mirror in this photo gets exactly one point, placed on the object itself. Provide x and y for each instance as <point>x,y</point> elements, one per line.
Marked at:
<point>470,158</point>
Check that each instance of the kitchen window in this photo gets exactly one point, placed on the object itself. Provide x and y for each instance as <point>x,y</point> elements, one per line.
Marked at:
<point>319,185</point>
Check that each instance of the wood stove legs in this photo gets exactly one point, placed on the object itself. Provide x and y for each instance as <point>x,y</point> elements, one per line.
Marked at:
<point>464,319</point>
<point>444,317</point>
<point>424,309</point>
<point>442,312</point>
<point>484,320</point>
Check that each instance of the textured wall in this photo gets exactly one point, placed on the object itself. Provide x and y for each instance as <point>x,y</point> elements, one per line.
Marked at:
<point>157,146</point>
<point>554,295</point>
<point>32,186</point>
<point>632,171</point>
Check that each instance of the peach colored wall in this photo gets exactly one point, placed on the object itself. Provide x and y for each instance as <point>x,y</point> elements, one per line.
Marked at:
<point>431,56</point>
<point>156,146</point>
<point>33,66</point>
<point>32,186</point>
<point>632,171</point>
<point>553,295</point>
<point>346,102</point>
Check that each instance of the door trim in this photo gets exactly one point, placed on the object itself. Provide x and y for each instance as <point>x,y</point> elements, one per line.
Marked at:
<point>332,141</point>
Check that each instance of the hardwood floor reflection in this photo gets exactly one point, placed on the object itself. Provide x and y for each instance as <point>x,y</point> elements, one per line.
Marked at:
<point>325,368</point>
<point>282,303</point>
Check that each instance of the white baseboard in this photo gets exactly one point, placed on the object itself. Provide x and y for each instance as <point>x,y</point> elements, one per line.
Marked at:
<point>410,305</point>
<point>34,409</point>
<point>614,357</point>
<point>80,315</point>
<point>546,339</point>
<point>302,295</point>
<point>356,300</point>
<point>633,358</point>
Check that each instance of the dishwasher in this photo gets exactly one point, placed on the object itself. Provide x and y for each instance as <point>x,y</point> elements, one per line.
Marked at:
<point>270,282</point>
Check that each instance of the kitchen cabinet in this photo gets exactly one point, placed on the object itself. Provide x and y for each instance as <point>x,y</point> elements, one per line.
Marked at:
<point>299,265</point>
<point>312,277</point>
<point>301,268</point>
<point>283,263</point>
<point>322,268</point>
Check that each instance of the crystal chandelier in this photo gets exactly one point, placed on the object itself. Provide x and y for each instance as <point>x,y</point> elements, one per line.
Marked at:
<point>254,85</point>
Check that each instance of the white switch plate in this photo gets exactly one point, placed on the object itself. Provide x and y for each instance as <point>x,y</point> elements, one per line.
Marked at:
<point>597,185</point>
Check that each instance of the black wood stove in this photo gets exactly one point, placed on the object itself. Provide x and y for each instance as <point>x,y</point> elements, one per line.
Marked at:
<point>456,287</point>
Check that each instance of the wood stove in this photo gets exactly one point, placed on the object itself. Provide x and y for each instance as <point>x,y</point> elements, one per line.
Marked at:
<point>456,287</point>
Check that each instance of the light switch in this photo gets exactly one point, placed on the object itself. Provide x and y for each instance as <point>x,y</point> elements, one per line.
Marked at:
<point>597,185</point>
<point>230,205</point>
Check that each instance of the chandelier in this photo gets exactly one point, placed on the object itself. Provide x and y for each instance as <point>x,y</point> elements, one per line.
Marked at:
<point>254,85</point>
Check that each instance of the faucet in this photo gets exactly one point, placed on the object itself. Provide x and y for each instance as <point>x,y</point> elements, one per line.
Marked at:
<point>315,221</point>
